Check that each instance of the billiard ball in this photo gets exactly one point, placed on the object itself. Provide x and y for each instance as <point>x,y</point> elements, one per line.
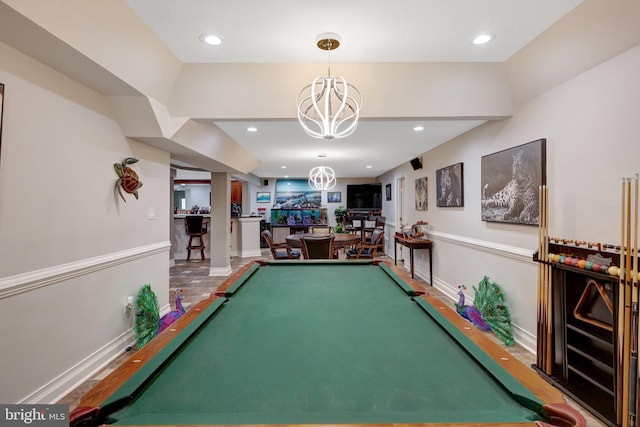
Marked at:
<point>556,258</point>
<point>562,258</point>
<point>613,270</point>
<point>574,262</point>
<point>568,260</point>
<point>588,265</point>
<point>550,256</point>
<point>581,263</point>
<point>596,266</point>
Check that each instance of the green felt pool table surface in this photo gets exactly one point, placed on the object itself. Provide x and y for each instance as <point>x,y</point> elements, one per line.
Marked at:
<point>325,342</point>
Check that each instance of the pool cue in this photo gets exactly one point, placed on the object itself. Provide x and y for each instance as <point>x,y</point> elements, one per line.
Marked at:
<point>626,354</point>
<point>633,362</point>
<point>620,332</point>
<point>540,347</point>
<point>543,343</point>
<point>548,303</point>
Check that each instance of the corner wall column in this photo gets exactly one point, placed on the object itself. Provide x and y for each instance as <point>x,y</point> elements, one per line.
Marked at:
<point>172,228</point>
<point>219,227</point>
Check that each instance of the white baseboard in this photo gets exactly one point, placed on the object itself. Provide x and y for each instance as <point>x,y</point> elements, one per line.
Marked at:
<point>251,253</point>
<point>220,271</point>
<point>69,380</point>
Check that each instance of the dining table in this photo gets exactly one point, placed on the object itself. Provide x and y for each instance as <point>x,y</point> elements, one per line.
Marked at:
<point>340,241</point>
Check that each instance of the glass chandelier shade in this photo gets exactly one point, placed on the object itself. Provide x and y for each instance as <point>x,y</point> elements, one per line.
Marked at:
<point>322,178</point>
<point>329,107</point>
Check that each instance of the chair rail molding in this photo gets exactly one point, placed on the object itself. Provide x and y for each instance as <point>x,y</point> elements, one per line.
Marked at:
<point>13,285</point>
<point>514,252</point>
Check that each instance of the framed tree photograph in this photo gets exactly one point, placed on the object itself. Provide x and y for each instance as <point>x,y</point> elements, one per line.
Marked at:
<point>263,197</point>
<point>509,183</point>
<point>334,197</point>
<point>450,186</point>
<point>421,194</point>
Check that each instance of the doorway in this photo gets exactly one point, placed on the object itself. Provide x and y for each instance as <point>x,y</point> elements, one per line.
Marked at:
<point>400,212</point>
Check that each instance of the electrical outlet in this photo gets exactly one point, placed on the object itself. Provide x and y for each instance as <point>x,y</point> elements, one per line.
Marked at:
<point>128,304</point>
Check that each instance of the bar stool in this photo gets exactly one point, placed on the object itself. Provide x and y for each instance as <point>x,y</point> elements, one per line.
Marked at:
<point>195,226</point>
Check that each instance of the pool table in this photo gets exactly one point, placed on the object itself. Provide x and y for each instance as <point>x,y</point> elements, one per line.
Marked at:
<point>322,342</point>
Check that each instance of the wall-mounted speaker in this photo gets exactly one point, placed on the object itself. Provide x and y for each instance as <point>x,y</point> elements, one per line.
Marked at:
<point>416,163</point>
<point>265,182</point>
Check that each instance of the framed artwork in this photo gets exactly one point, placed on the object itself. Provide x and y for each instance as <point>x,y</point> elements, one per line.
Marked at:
<point>450,186</point>
<point>509,183</point>
<point>388,191</point>
<point>263,197</point>
<point>1,109</point>
<point>295,193</point>
<point>421,194</point>
<point>334,196</point>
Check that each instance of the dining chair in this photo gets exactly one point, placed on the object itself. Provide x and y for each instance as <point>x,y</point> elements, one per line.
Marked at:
<point>318,247</point>
<point>280,250</point>
<point>321,230</point>
<point>368,250</point>
<point>380,222</point>
<point>352,224</point>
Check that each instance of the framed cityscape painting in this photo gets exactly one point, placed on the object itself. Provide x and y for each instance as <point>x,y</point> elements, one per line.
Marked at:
<point>449,186</point>
<point>510,180</point>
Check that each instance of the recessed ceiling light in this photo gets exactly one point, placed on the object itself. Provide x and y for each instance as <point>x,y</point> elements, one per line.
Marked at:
<point>418,128</point>
<point>286,176</point>
<point>283,167</point>
<point>211,39</point>
<point>369,166</point>
<point>482,39</point>
<point>252,129</point>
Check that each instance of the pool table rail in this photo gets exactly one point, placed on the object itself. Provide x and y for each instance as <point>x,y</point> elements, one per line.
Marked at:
<point>91,411</point>
<point>558,412</point>
<point>397,274</point>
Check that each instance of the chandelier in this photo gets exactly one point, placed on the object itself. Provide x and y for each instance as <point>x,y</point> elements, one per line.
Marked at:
<point>322,178</point>
<point>329,107</point>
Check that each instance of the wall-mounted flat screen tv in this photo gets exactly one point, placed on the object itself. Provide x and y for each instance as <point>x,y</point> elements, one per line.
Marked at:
<point>364,196</point>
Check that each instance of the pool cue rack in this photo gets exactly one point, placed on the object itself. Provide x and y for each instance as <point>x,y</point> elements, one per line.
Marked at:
<point>588,300</point>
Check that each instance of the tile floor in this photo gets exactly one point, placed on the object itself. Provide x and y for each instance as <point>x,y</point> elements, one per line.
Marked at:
<point>193,279</point>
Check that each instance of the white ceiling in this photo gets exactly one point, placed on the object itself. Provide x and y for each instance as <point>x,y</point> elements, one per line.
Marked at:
<point>281,31</point>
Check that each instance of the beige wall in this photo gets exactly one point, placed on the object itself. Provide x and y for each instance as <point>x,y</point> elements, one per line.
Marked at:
<point>591,126</point>
<point>70,251</point>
